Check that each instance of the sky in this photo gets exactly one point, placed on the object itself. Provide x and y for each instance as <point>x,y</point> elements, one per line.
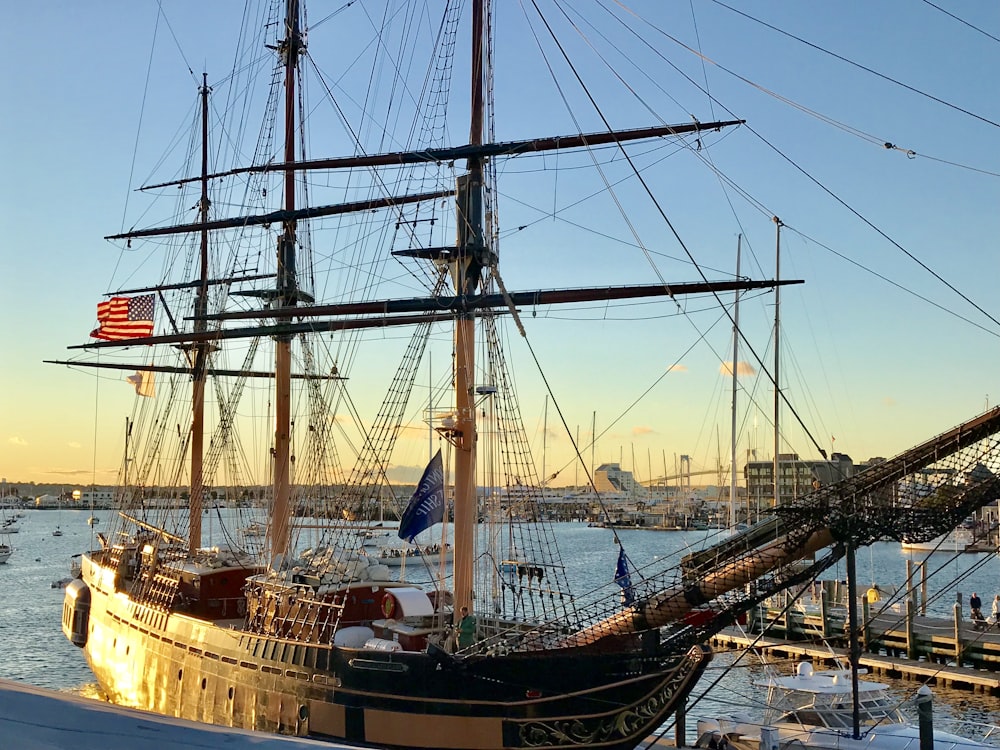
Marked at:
<point>871,132</point>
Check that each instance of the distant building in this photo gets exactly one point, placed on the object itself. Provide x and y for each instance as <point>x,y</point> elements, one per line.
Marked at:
<point>97,498</point>
<point>796,477</point>
<point>48,501</point>
<point>611,478</point>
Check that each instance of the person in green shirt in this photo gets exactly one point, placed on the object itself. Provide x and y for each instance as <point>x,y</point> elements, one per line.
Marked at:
<point>466,629</point>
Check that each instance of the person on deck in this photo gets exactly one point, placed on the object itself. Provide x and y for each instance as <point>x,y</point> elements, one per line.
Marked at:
<point>976,605</point>
<point>466,629</point>
<point>996,611</point>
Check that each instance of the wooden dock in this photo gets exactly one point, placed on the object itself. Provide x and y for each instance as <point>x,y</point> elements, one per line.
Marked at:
<point>926,672</point>
<point>898,631</point>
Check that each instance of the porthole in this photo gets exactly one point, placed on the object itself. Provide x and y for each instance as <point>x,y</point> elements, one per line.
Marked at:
<point>303,713</point>
<point>204,683</point>
<point>180,674</point>
<point>230,693</point>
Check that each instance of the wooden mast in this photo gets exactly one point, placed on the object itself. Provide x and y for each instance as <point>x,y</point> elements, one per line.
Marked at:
<point>200,349</point>
<point>735,373</point>
<point>286,295</point>
<point>777,363</point>
<point>465,271</point>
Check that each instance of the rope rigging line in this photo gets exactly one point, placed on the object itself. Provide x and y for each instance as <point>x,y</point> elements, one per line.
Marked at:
<point>889,281</point>
<point>880,142</point>
<point>872,226</point>
<point>656,203</point>
<point>873,72</point>
<point>962,21</point>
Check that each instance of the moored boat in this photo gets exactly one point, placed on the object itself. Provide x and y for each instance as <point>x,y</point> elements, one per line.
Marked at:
<point>300,632</point>
<point>815,710</point>
<point>956,540</point>
<point>396,557</point>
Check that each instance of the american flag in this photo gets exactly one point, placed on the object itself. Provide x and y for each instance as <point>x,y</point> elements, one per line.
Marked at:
<point>124,318</point>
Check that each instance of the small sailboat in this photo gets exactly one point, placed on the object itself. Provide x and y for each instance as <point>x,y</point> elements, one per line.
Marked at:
<point>9,518</point>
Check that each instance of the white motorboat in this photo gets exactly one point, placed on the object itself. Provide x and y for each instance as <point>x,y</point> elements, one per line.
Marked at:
<point>5,552</point>
<point>954,541</point>
<point>814,709</point>
<point>396,557</point>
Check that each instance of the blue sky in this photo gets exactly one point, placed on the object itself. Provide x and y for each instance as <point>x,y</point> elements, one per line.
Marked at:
<point>878,351</point>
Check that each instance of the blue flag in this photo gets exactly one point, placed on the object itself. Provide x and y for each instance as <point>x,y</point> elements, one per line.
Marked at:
<point>426,507</point>
<point>622,577</point>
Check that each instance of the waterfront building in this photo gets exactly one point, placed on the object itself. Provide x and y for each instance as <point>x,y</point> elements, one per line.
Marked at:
<point>611,478</point>
<point>796,477</point>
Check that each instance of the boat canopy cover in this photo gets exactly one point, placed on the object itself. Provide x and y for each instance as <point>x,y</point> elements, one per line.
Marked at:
<point>805,680</point>
<point>412,602</point>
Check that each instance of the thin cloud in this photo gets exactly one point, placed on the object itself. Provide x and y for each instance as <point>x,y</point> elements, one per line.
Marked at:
<point>17,440</point>
<point>742,369</point>
<point>677,368</point>
<point>73,444</point>
<point>642,430</point>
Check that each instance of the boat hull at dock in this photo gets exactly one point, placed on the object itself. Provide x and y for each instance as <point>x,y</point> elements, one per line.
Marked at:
<point>216,672</point>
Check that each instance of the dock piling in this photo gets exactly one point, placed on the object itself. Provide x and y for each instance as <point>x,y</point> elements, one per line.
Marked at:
<point>958,632</point>
<point>911,641</point>
<point>923,588</point>
<point>866,632</point>
<point>824,606</point>
<point>925,717</point>
<point>680,724</point>
<point>769,738</point>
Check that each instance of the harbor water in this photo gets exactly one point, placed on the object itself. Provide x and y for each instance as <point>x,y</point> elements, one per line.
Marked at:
<point>37,653</point>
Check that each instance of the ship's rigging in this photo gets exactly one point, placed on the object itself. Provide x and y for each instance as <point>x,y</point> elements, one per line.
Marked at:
<point>314,635</point>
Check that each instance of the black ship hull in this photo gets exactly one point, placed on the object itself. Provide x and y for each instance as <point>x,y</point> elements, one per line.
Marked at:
<point>216,672</point>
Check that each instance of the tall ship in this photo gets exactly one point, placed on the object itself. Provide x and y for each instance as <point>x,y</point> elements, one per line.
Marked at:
<point>272,294</point>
